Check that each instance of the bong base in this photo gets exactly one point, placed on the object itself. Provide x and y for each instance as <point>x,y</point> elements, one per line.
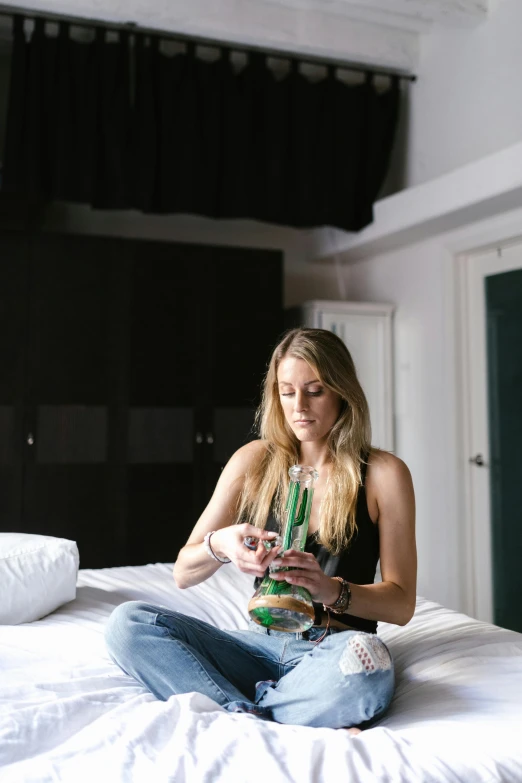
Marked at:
<point>281,613</point>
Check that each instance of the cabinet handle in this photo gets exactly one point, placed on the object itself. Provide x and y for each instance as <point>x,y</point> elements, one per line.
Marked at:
<point>210,437</point>
<point>199,437</point>
<point>30,439</point>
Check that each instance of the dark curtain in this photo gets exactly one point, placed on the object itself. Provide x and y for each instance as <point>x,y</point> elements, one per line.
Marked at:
<point>117,125</point>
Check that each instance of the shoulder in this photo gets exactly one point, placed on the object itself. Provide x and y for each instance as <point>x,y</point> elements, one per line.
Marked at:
<point>388,482</point>
<point>251,452</point>
<point>233,475</point>
<point>385,467</point>
<point>246,457</point>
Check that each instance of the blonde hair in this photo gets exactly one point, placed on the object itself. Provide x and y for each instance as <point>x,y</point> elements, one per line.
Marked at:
<point>349,441</point>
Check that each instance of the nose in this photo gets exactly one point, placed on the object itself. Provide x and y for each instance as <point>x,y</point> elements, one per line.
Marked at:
<point>300,401</point>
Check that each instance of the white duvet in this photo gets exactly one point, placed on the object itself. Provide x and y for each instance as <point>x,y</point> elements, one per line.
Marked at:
<point>67,713</point>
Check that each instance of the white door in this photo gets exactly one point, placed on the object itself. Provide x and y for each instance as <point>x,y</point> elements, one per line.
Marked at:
<point>478,269</point>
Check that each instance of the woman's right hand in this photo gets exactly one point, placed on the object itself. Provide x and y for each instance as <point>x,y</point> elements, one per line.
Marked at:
<point>230,542</point>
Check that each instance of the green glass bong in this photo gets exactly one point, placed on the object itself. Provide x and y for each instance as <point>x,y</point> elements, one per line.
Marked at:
<point>279,605</point>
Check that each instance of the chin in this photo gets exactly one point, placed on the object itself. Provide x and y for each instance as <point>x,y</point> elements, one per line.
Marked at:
<point>305,437</point>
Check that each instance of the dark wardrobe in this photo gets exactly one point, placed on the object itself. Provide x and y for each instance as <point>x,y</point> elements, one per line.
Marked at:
<point>130,372</point>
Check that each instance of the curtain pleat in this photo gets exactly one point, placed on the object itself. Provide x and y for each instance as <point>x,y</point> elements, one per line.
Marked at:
<point>14,168</point>
<point>144,167</point>
<point>120,124</point>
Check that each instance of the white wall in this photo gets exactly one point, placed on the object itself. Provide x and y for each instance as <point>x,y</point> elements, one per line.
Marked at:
<point>466,103</point>
<point>421,281</point>
<point>416,281</point>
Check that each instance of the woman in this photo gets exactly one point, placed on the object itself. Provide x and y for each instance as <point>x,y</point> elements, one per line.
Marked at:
<point>339,673</point>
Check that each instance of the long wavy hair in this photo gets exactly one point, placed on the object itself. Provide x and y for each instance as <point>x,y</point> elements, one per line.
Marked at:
<point>349,441</point>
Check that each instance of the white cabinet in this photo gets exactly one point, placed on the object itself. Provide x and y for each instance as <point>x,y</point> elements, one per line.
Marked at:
<point>366,329</point>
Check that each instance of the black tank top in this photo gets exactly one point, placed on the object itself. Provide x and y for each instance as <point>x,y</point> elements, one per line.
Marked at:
<point>357,563</point>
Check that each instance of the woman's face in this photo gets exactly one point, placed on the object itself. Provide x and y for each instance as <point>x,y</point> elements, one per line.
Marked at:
<point>310,408</point>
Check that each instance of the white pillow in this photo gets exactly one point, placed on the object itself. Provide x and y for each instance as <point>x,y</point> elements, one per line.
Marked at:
<point>37,575</point>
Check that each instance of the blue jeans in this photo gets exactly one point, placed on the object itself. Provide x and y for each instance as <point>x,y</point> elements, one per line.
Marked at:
<point>344,680</point>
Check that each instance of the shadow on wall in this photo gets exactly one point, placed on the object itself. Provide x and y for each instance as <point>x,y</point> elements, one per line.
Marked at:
<point>309,282</point>
<point>397,177</point>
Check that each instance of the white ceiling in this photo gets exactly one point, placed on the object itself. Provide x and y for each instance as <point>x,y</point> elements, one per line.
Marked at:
<point>381,32</point>
<point>418,15</point>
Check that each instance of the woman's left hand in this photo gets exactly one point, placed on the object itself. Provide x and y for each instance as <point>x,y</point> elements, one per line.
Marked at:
<point>309,574</point>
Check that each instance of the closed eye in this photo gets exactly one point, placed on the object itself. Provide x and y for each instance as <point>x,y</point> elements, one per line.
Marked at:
<point>309,393</point>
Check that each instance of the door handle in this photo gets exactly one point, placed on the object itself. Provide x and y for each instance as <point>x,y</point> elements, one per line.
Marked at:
<point>30,439</point>
<point>478,460</point>
<point>210,438</point>
<point>199,437</point>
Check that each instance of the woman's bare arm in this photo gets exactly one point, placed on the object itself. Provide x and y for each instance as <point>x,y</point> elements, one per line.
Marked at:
<point>194,564</point>
<point>390,487</point>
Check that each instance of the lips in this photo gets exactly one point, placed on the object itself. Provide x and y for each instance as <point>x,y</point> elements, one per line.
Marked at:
<point>304,421</point>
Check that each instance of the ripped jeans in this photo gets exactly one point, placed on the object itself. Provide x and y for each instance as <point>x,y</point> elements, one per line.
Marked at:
<point>344,680</point>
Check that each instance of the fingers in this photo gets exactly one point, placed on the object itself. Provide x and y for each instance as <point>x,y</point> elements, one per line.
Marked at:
<point>256,532</point>
<point>312,578</point>
<point>306,571</point>
<point>266,556</point>
<point>254,562</point>
<point>266,535</point>
<point>254,568</point>
<point>246,546</point>
<point>294,559</point>
<point>288,576</point>
<point>307,579</point>
<point>271,556</point>
<point>265,547</point>
<point>301,580</point>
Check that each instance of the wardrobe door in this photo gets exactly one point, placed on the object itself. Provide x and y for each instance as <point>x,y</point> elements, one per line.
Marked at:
<point>13,324</point>
<point>245,322</point>
<point>72,483</point>
<point>167,361</point>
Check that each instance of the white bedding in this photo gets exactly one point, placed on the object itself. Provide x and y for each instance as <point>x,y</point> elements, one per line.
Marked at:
<point>67,713</point>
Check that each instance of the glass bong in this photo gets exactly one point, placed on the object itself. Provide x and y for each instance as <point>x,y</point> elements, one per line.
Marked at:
<point>276,604</point>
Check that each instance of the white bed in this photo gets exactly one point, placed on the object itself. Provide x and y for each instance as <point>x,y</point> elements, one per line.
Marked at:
<point>68,714</point>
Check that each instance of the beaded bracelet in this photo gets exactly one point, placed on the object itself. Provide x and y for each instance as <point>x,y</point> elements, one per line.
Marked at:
<point>345,598</point>
<point>210,551</point>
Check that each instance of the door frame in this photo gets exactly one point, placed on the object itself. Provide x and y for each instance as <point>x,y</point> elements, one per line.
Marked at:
<point>461,249</point>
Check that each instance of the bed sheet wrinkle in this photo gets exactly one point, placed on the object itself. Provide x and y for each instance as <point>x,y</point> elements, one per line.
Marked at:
<point>495,758</point>
<point>221,600</point>
<point>41,691</point>
<point>456,716</point>
<point>41,727</point>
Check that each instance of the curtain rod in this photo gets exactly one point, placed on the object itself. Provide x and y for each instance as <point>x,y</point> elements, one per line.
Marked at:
<point>134,28</point>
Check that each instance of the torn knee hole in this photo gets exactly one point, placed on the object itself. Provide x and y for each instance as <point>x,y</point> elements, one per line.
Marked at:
<point>364,653</point>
